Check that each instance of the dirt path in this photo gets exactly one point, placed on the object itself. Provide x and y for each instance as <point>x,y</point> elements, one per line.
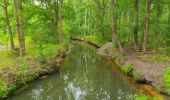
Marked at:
<point>150,72</point>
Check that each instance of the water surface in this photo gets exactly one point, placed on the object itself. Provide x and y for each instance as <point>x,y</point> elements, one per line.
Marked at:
<point>83,76</point>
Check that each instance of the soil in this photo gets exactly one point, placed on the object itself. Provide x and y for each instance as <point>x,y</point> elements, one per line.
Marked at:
<point>149,72</point>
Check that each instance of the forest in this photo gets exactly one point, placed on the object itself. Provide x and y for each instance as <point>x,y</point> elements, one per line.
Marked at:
<point>85,49</point>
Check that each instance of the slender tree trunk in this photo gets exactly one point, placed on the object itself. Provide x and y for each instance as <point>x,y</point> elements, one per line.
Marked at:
<point>113,26</point>
<point>8,26</point>
<point>158,24</point>
<point>53,26</point>
<point>115,40</point>
<point>61,30</point>
<point>22,45</point>
<point>56,14</point>
<point>20,26</point>
<point>17,18</point>
<point>136,45</point>
<point>146,30</point>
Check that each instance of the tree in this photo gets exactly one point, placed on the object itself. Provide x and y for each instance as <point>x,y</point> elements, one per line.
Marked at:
<point>8,26</point>
<point>136,18</point>
<point>53,24</point>
<point>115,40</point>
<point>146,28</point>
<point>61,30</point>
<point>19,25</point>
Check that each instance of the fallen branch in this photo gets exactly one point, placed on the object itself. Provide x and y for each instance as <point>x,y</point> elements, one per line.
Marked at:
<point>86,41</point>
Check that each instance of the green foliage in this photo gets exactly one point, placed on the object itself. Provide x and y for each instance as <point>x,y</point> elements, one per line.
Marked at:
<point>4,39</point>
<point>127,69</point>
<point>166,78</point>
<point>160,58</point>
<point>135,74</point>
<point>156,57</point>
<point>142,96</point>
<point>4,90</point>
<point>42,57</point>
<point>168,51</point>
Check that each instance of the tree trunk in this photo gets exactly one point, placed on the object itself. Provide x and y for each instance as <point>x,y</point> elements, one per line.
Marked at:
<point>115,40</point>
<point>19,25</point>
<point>61,30</point>
<point>146,30</point>
<point>22,40</point>
<point>53,26</point>
<point>56,14</point>
<point>136,45</point>
<point>8,26</point>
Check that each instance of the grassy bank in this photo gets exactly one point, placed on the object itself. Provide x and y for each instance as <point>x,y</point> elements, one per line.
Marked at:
<point>15,70</point>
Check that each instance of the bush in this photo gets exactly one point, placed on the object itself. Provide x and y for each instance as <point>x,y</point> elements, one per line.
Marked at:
<point>42,57</point>
<point>127,69</point>
<point>4,90</point>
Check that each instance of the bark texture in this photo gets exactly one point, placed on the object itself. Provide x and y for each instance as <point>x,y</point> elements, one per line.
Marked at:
<point>146,30</point>
<point>8,26</point>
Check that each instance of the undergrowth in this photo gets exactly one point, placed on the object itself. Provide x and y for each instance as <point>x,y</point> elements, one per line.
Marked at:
<point>20,68</point>
<point>127,69</point>
<point>142,96</point>
<point>166,77</point>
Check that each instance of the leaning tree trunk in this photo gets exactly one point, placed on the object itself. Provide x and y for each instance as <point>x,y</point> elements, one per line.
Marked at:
<point>136,45</point>
<point>8,26</point>
<point>146,30</point>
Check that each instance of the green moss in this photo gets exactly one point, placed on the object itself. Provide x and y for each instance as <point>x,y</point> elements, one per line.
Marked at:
<point>166,78</point>
<point>26,86</point>
<point>127,69</point>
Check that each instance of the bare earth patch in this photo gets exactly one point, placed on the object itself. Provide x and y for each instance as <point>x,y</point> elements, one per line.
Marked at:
<point>150,72</point>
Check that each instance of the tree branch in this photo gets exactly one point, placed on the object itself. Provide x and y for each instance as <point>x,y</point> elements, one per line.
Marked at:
<point>1,5</point>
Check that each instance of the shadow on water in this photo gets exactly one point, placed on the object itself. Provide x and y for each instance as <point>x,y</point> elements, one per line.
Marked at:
<point>83,76</point>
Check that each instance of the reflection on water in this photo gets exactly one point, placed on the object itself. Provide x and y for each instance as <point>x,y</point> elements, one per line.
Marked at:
<point>84,76</point>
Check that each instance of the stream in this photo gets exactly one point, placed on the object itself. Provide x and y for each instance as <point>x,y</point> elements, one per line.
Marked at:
<point>84,76</point>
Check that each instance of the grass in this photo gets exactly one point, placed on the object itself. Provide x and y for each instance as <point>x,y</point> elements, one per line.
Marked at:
<point>21,70</point>
<point>155,58</point>
<point>142,96</point>
<point>166,77</point>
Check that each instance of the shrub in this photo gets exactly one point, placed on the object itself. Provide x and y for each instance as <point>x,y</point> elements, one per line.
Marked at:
<point>127,69</point>
<point>42,57</point>
<point>4,90</point>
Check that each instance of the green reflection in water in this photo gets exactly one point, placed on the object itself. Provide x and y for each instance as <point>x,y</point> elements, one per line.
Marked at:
<point>84,76</point>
